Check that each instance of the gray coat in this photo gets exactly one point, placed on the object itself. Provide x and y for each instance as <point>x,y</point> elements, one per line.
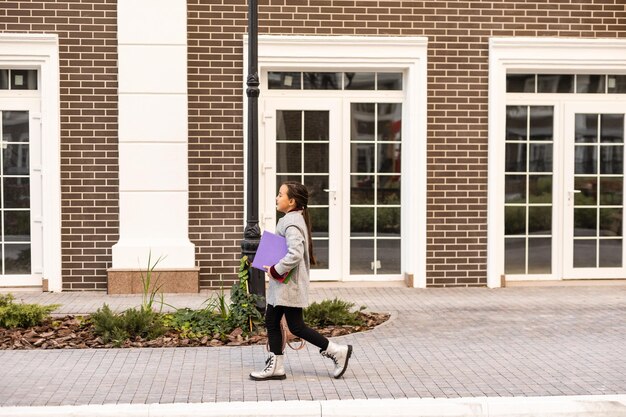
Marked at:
<point>294,293</point>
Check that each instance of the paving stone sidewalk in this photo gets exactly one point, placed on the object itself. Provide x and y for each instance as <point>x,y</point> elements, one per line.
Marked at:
<point>442,343</point>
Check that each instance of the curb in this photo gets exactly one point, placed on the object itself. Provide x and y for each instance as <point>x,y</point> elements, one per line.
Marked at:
<point>567,406</point>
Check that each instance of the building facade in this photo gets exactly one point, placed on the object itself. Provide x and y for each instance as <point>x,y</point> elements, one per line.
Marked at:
<point>445,143</point>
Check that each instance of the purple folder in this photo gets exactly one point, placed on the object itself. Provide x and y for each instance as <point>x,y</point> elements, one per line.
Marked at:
<point>272,248</point>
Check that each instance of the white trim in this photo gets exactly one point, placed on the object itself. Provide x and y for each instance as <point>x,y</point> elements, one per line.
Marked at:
<point>407,54</point>
<point>565,55</point>
<point>41,51</point>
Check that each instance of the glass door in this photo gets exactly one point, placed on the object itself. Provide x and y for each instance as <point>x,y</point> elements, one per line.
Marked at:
<point>302,142</point>
<point>374,184</point>
<point>594,191</point>
<point>21,231</point>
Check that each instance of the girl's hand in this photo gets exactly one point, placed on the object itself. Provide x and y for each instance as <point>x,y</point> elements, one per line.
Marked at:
<point>267,269</point>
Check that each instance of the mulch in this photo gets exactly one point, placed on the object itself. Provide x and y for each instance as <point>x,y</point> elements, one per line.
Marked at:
<point>75,332</point>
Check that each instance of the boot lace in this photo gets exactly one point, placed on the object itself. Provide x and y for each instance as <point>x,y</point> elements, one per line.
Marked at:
<point>331,356</point>
<point>268,364</point>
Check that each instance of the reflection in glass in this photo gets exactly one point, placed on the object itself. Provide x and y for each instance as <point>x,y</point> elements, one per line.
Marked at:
<point>322,81</point>
<point>610,253</point>
<point>4,79</point>
<point>284,80</point>
<point>389,157</point>
<point>586,159</point>
<point>319,221</point>
<point>520,83</point>
<point>388,189</point>
<point>288,125</point>
<point>516,122</point>
<point>315,125</point>
<point>361,221</point>
<point>555,83</point>
<point>540,220</point>
<point>390,81</point>
<point>316,184</point>
<point>515,256</point>
<point>362,157</point>
<point>23,79</point>
<point>16,159</point>
<point>586,130</point>
<point>617,84</point>
<point>586,83</point>
<point>611,221</point>
<point>361,189</point>
<point>16,192</point>
<point>515,188</point>
<point>316,158</point>
<point>585,253</point>
<point>612,191</point>
<point>539,189</point>
<point>540,158</point>
<point>539,255</point>
<point>612,128</point>
<point>281,179</point>
<point>389,121</point>
<point>15,126</point>
<point>288,158</point>
<point>541,122</point>
<point>359,81</point>
<point>612,159</point>
<point>515,220</point>
<point>361,256</point>
<point>515,157</point>
<point>585,222</point>
<point>362,121</point>
<point>388,253</point>
<point>16,226</point>
<point>388,221</point>
<point>320,251</point>
<point>17,259</point>
<point>588,187</point>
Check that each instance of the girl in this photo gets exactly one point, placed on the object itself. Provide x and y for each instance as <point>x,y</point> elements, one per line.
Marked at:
<point>289,297</point>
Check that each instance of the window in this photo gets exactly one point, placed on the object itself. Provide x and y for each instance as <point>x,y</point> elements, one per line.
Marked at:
<point>528,189</point>
<point>18,79</point>
<point>566,83</point>
<point>375,180</point>
<point>334,81</point>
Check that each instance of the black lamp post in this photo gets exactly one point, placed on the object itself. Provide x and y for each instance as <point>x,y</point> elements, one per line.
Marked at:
<point>252,233</point>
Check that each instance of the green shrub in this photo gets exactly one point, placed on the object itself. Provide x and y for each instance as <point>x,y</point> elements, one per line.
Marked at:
<point>22,315</point>
<point>116,328</point>
<point>198,323</point>
<point>332,313</point>
<point>108,325</point>
<point>217,317</point>
<point>243,312</point>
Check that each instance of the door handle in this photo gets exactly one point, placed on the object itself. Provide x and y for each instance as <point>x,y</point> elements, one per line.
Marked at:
<point>571,195</point>
<point>332,195</point>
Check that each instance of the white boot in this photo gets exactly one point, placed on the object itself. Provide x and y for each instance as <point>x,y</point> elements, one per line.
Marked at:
<point>274,369</point>
<point>340,354</point>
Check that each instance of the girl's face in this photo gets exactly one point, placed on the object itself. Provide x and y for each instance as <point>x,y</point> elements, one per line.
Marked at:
<point>283,203</point>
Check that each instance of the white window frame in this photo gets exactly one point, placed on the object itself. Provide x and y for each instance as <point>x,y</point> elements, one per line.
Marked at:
<point>405,54</point>
<point>532,55</point>
<point>41,52</point>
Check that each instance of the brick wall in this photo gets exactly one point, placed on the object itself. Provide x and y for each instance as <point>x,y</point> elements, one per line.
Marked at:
<point>89,159</point>
<point>457,122</point>
<point>458,33</point>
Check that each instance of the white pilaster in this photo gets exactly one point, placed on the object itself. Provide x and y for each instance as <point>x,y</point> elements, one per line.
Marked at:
<point>154,185</point>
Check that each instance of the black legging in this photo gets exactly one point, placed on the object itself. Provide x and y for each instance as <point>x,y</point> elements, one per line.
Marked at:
<point>295,321</point>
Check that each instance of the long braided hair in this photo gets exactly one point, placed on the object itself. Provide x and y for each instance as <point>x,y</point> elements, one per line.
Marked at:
<point>300,194</point>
